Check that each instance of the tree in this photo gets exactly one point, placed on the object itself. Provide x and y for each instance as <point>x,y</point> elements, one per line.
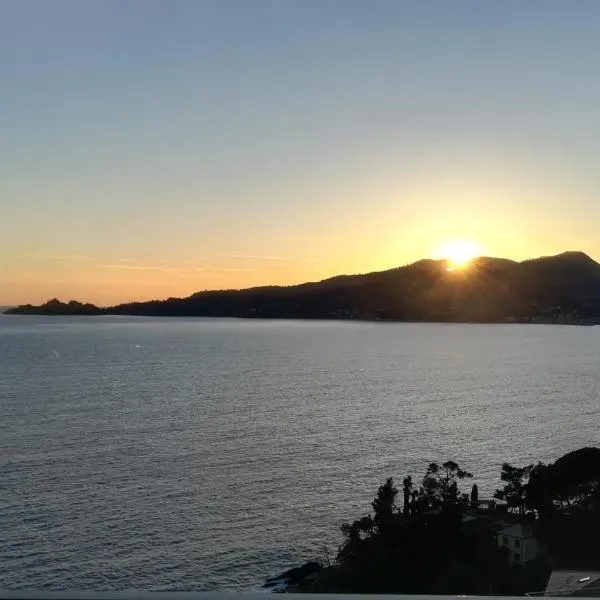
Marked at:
<point>440,484</point>
<point>539,493</point>
<point>566,497</point>
<point>436,552</point>
<point>414,501</point>
<point>355,533</point>
<point>474,496</point>
<point>384,506</point>
<point>575,477</point>
<point>514,492</point>
<point>407,488</point>
<point>572,481</point>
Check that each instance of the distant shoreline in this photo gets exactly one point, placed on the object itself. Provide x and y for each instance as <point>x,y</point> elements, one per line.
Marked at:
<point>558,321</point>
<point>562,289</point>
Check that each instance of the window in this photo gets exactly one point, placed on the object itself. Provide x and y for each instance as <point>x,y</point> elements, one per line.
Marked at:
<point>517,557</point>
<point>518,543</point>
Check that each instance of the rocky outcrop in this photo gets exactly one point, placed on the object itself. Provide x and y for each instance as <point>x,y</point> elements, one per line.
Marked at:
<point>293,577</point>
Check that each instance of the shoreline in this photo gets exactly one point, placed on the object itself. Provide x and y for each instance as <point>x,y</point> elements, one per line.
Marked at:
<point>508,321</point>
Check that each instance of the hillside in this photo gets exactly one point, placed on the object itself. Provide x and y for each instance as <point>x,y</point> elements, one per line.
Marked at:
<point>56,307</point>
<point>562,288</point>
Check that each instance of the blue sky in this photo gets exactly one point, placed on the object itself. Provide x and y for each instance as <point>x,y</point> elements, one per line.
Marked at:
<point>154,148</point>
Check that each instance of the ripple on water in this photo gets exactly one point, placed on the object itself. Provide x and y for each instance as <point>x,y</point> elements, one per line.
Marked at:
<point>198,454</point>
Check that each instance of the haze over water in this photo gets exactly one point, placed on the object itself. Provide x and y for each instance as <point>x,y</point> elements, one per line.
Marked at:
<point>204,454</point>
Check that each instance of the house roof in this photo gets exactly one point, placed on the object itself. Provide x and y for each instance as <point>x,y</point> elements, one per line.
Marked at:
<point>517,531</point>
<point>495,501</point>
<point>573,583</point>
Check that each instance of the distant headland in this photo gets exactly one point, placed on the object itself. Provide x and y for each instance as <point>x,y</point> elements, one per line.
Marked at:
<point>554,289</point>
<point>56,307</point>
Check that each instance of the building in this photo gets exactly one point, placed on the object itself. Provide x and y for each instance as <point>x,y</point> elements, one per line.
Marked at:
<point>492,505</point>
<point>574,583</point>
<point>520,542</point>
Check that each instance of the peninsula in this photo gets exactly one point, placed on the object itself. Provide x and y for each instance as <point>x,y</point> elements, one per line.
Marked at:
<point>556,289</point>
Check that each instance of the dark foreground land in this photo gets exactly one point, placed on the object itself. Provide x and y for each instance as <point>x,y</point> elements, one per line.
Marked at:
<point>441,540</point>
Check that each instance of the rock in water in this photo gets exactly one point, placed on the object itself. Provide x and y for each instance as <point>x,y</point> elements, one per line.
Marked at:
<point>293,576</point>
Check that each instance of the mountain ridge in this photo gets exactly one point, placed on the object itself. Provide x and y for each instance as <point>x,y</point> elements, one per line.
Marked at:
<point>559,288</point>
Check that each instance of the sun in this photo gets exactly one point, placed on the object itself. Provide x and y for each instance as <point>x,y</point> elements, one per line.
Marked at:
<point>458,253</point>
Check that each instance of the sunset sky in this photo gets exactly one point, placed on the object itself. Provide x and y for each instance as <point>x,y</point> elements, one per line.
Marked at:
<point>156,148</point>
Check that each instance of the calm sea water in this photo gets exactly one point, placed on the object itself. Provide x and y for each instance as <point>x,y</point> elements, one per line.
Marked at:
<point>196,454</point>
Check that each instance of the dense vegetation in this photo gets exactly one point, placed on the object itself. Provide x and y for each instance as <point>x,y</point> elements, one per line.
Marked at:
<point>563,288</point>
<point>56,307</point>
<point>564,499</point>
<point>425,544</point>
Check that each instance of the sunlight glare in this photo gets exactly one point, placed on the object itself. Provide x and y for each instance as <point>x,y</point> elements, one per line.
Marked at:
<point>458,253</point>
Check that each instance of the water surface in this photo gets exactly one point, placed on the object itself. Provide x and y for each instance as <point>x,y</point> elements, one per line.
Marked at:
<point>199,454</point>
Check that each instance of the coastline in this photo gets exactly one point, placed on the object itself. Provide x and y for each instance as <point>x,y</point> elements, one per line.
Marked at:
<point>560,289</point>
<point>560,320</point>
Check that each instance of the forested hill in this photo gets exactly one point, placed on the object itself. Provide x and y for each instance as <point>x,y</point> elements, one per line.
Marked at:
<point>561,288</point>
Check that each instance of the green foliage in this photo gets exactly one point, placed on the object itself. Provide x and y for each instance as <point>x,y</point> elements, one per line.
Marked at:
<point>354,535</point>
<point>440,484</point>
<point>576,476</point>
<point>408,550</point>
<point>407,489</point>
<point>474,496</point>
<point>384,506</point>
<point>427,548</point>
<point>514,492</point>
<point>543,489</point>
<point>566,497</point>
<point>538,492</point>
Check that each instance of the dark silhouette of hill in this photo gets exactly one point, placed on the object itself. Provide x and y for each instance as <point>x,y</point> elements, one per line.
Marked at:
<point>562,288</point>
<point>56,307</point>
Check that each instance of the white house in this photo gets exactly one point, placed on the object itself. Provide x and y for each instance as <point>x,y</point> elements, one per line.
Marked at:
<point>520,542</point>
<point>492,504</point>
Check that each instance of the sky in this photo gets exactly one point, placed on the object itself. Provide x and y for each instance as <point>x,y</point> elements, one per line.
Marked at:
<point>154,148</point>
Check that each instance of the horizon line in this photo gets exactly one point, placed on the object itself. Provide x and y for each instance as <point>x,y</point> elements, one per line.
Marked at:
<point>301,283</point>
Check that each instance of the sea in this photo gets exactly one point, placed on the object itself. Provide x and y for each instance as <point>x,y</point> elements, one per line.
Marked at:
<point>209,454</point>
